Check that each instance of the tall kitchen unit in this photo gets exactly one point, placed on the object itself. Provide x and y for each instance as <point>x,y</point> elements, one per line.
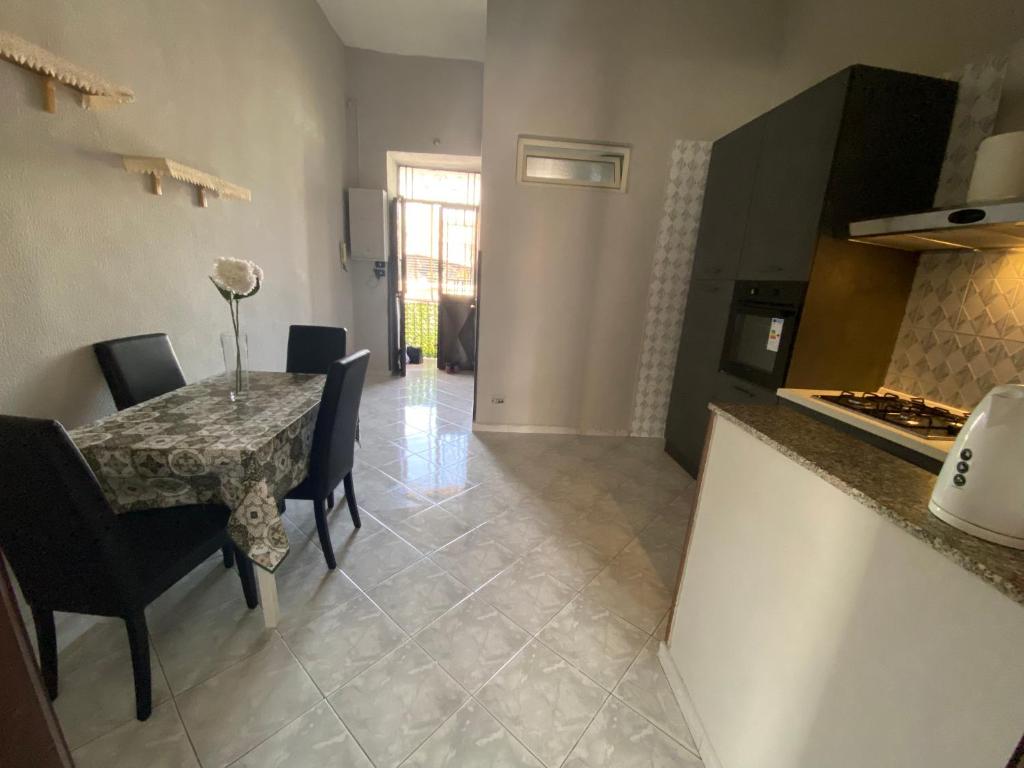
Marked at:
<point>780,192</point>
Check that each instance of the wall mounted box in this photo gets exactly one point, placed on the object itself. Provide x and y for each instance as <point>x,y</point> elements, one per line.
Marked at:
<point>368,224</point>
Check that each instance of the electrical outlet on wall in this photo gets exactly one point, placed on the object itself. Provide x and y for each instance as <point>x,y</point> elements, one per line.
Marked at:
<point>498,400</point>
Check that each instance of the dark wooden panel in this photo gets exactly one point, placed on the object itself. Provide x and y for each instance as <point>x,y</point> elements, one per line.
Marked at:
<point>891,146</point>
<point>792,177</point>
<point>700,349</point>
<point>30,735</point>
<point>852,314</point>
<point>727,201</point>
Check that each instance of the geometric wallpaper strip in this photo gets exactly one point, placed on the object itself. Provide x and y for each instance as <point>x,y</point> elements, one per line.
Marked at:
<point>981,89</point>
<point>670,283</point>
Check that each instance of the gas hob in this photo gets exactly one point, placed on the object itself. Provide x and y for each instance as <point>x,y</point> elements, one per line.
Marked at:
<point>910,414</point>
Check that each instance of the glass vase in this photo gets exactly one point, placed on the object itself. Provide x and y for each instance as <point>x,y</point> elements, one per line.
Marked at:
<point>236,363</point>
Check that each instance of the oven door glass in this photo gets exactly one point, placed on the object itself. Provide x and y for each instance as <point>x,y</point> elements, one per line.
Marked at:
<point>758,343</point>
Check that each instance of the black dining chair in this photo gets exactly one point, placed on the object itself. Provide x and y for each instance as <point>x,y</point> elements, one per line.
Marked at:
<point>70,552</point>
<point>312,348</point>
<point>334,436</point>
<point>139,368</point>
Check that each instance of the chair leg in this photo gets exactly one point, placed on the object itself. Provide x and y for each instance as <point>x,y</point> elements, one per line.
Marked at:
<point>325,535</point>
<point>46,634</point>
<point>350,496</point>
<point>248,578</point>
<point>330,501</point>
<point>228,552</point>
<point>138,641</point>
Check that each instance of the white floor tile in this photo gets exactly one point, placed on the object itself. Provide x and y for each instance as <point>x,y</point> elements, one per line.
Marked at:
<point>241,707</point>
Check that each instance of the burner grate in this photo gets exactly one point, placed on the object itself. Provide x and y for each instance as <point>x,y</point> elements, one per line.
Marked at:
<point>908,413</point>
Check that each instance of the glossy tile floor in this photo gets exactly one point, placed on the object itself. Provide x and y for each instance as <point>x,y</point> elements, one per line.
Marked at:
<point>501,606</point>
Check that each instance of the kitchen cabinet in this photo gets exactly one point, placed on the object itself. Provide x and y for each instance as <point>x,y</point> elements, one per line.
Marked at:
<point>781,190</point>
<point>726,201</point>
<point>789,187</point>
<point>700,349</point>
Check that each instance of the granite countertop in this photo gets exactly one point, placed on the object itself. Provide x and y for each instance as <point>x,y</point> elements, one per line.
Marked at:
<point>894,488</point>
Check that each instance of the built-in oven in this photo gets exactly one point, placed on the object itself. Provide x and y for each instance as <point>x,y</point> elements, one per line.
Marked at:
<point>761,330</point>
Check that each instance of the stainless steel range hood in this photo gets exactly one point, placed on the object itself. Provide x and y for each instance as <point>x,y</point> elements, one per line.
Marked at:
<point>995,225</point>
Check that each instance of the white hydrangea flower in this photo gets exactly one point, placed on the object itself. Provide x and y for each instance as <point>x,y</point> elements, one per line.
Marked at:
<point>237,276</point>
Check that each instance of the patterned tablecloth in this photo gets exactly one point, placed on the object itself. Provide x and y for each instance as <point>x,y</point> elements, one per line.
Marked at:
<point>195,446</point>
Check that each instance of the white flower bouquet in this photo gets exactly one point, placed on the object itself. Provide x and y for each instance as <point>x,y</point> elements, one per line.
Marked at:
<point>236,279</point>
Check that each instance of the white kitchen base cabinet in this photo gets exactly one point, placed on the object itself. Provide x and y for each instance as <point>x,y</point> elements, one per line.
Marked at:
<point>810,631</point>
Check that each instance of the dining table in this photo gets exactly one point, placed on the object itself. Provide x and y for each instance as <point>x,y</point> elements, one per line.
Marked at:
<point>197,445</point>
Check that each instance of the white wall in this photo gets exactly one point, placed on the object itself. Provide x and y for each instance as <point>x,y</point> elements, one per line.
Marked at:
<point>810,631</point>
<point>931,37</point>
<point>565,272</point>
<point>251,90</point>
<point>402,104</point>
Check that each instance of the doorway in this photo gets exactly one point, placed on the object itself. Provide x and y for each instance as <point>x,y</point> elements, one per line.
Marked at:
<point>436,268</point>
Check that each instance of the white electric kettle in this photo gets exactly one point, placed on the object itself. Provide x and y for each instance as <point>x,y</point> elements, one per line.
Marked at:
<point>980,489</point>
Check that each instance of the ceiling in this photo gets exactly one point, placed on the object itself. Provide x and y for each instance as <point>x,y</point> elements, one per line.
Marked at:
<point>449,29</point>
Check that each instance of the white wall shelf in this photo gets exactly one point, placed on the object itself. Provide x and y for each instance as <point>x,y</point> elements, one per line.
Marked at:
<point>96,91</point>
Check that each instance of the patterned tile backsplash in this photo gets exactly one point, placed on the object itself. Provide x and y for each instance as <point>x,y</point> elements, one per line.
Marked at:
<point>963,331</point>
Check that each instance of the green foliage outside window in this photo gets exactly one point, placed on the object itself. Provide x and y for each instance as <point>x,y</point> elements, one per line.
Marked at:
<point>421,326</point>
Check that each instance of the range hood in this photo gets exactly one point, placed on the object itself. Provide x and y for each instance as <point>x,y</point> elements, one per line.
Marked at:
<point>996,225</point>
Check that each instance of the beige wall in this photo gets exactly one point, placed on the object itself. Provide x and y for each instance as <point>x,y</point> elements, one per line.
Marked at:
<point>566,271</point>
<point>931,37</point>
<point>402,104</point>
<point>251,90</point>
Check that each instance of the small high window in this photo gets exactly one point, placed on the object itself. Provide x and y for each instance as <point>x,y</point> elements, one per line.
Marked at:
<point>572,163</point>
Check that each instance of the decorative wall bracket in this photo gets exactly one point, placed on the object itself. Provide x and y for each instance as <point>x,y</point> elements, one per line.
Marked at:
<point>97,93</point>
<point>158,167</point>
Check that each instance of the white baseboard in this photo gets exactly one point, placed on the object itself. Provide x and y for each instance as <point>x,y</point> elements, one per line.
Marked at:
<point>524,429</point>
<point>693,721</point>
<point>541,430</point>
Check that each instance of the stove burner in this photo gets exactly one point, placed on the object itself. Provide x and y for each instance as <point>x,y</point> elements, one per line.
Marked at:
<point>911,414</point>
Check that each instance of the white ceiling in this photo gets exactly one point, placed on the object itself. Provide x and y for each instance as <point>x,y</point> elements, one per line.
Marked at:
<point>449,29</point>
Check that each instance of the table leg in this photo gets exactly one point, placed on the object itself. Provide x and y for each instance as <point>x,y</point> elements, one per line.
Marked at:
<point>268,597</point>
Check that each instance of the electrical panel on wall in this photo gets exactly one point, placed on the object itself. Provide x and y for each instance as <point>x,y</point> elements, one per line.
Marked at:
<point>368,224</point>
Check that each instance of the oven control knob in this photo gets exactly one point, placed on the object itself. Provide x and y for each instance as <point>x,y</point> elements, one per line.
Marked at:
<point>959,481</point>
<point>962,467</point>
<point>966,454</point>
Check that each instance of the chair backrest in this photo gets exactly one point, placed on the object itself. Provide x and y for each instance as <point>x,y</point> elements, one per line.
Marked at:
<point>138,368</point>
<point>56,527</point>
<point>312,348</point>
<point>335,433</point>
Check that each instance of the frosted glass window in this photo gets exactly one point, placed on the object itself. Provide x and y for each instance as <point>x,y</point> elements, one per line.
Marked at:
<point>572,163</point>
<point>587,171</point>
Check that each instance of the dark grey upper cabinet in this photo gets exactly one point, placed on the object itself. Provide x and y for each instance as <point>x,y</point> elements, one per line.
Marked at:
<point>891,146</point>
<point>789,188</point>
<point>726,201</point>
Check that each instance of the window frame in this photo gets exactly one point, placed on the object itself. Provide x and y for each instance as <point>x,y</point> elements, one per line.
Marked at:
<point>567,149</point>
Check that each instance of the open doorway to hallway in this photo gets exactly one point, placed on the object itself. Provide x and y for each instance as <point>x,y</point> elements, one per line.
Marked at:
<point>437,216</point>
